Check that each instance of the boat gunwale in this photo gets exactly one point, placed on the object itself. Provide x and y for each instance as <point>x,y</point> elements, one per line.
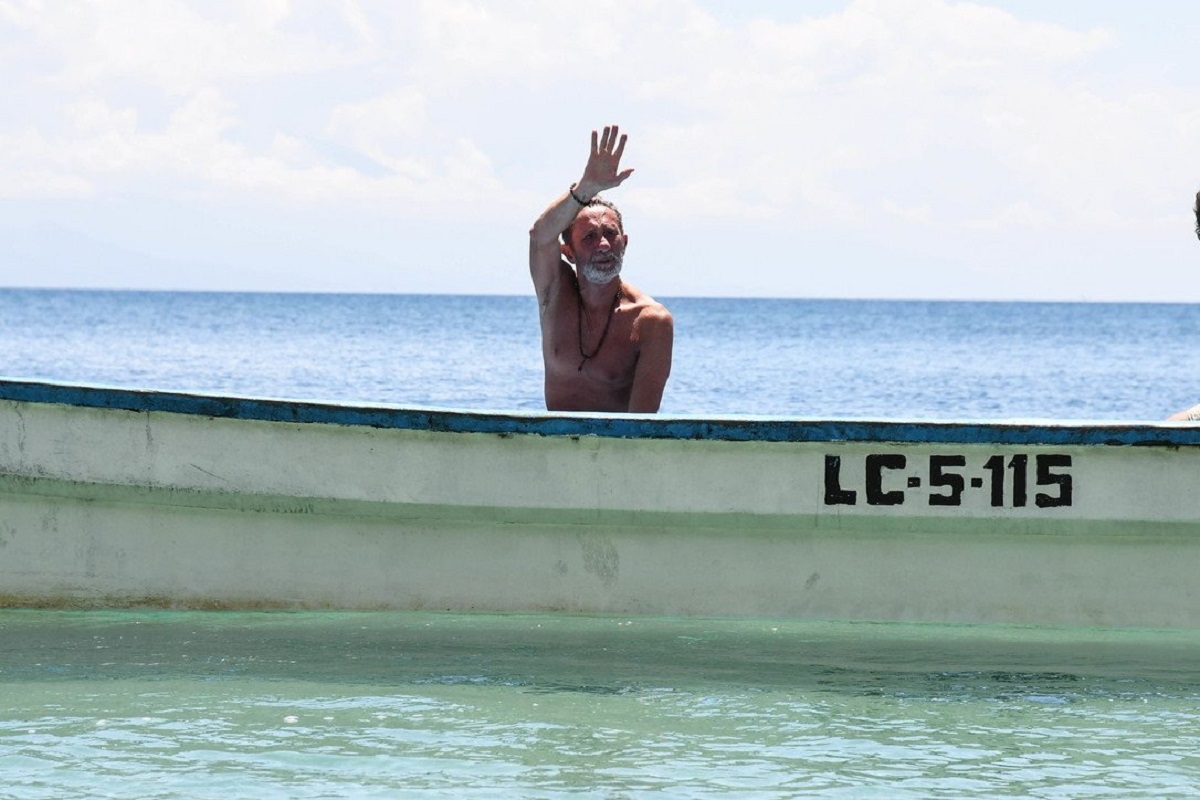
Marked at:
<point>732,428</point>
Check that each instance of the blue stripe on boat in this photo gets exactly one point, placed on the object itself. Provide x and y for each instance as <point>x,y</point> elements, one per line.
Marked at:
<point>731,428</point>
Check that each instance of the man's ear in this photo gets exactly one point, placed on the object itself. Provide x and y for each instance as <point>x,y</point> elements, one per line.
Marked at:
<point>567,252</point>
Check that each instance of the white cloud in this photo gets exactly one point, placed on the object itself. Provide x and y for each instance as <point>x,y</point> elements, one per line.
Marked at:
<point>803,113</point>
<point>781,112</point>
<point>384,127</point>
<point>176,46</point>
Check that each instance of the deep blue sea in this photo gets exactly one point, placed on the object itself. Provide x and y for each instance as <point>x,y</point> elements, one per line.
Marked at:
<point>154,703</point>
<point>809,358</point>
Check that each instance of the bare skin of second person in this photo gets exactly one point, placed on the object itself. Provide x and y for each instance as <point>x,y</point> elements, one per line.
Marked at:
<point>606,344</point>
<point>1190,414</point>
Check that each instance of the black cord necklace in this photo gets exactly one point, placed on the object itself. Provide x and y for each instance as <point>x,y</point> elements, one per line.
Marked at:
<point>607,324</point>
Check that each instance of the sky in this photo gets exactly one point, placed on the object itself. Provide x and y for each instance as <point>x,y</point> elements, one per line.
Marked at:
<point>931,149</point>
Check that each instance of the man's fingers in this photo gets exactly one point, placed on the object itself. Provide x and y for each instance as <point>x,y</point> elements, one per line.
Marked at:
<point>610,137</point>
<point>595,139</point>
<point>620,146</point>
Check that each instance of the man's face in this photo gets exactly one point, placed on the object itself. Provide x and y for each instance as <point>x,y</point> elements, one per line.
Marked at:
<point>597,244</point>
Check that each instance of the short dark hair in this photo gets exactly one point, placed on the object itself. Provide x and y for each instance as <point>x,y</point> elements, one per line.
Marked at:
<point>595,201</point>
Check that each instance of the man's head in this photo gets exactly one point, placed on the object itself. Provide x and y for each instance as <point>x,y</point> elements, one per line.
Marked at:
<point>595,241</point>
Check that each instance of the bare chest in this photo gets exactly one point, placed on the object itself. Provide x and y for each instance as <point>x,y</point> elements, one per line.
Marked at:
<point>586,366</point>
<point>589,352</point>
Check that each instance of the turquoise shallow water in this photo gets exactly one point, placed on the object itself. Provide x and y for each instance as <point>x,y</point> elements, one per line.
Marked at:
<point>304,705</point>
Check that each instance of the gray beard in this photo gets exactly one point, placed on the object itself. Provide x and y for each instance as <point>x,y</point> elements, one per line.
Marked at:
<point>601,275</point>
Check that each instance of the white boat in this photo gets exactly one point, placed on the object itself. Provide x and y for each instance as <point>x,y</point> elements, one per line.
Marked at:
<point>118,497</point>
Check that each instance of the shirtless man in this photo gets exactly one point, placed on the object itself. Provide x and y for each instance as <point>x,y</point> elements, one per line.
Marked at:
<point>1193,413</point>
<point>606,344</point>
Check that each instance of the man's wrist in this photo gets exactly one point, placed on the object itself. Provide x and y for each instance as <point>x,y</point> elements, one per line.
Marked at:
<point>578,195</point>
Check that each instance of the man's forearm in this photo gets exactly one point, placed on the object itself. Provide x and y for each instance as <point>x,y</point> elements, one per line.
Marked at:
<point>558,215</point>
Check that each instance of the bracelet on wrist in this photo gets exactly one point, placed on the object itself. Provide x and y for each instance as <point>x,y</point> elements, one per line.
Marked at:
<point>576,197</point>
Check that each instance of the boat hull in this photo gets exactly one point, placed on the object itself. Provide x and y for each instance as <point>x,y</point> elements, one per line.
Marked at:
<point>115,498</point>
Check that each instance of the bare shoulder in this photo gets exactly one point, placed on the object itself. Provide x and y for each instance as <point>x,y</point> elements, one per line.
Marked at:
<point>642,301</point>
<point>652,319</point>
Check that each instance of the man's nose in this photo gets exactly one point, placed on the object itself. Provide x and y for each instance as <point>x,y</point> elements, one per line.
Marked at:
<point>605,244</point>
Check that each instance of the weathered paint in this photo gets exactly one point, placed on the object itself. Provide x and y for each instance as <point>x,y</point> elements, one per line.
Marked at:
<point>116,496</point>
<point>733,428</point>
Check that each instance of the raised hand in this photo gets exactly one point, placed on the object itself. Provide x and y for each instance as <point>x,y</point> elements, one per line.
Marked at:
<point>603,170</point>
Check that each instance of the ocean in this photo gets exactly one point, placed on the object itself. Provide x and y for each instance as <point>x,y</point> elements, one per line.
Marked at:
<point>188,704</point>
<point>830,359</point>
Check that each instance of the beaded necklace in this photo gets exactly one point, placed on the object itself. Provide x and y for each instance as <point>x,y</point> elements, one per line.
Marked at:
<point>584,355</point>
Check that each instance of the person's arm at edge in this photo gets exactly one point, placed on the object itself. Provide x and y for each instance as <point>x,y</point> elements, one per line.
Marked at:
<point>1188,415</point>
<point>1196,209</point>
<point>654,362</point>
